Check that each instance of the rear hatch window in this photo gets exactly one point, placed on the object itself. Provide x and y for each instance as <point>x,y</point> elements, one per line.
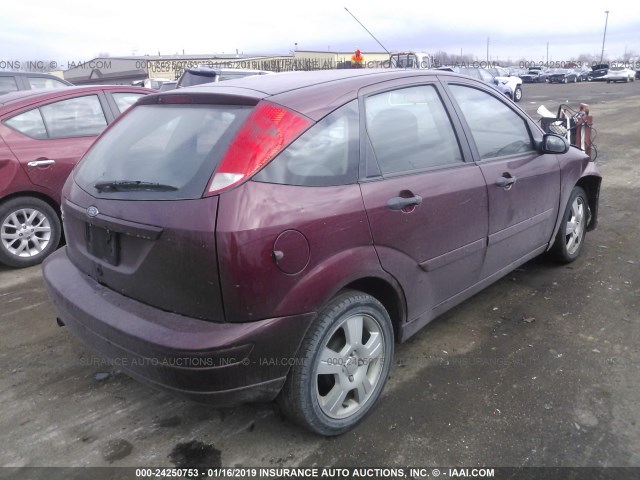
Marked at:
<point>160,152</point>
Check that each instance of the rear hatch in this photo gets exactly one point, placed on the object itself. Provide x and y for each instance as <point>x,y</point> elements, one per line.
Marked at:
<point>139,216</point>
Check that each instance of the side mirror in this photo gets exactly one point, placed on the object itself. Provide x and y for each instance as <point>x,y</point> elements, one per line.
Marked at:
<point>552,143</point>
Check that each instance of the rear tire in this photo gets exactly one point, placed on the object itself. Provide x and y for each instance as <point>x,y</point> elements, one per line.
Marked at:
<point>573,228</point>
<point>29,231</point>
<point>344,362</point>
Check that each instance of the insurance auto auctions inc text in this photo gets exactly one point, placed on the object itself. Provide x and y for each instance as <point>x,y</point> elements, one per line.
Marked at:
<point>340,473</point>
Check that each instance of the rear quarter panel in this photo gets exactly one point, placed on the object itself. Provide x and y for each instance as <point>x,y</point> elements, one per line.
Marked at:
<point>250,220</point>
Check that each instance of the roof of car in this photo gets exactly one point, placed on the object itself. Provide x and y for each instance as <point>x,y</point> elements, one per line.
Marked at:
<point>327,89</point>
<point>6,73</point>
<point>206,70</point>
<point>27,97</point>
<point>275,84</point>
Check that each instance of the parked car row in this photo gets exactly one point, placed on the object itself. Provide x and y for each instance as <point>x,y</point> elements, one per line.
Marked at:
<point>498,78</point>
<point>600,72</point>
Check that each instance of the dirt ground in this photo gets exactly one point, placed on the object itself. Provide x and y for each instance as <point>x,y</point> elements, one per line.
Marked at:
<point>540,369</point>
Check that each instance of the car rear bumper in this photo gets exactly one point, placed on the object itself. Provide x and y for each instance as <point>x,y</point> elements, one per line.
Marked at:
<point>216,363</point>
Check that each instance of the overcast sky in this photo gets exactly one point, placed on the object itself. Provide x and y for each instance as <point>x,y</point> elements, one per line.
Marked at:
<point>74,30</point>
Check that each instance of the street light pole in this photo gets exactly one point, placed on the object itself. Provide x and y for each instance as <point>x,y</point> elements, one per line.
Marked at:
<point>605,34</point>
<point>487,49</point>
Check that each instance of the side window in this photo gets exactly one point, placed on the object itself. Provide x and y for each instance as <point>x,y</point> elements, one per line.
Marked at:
<point>124,100</point>
<point>29,123</point>
<point>410,130</point>
<point>496,129</point>
<point>326,154</point>
<point>43,82</point>
<point>8,84</point>
<point>76,117</point>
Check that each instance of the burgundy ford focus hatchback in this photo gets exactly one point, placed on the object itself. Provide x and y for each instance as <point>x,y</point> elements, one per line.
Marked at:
<point>271,237</point>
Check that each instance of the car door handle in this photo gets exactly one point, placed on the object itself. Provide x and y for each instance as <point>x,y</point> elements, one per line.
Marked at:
<point>41,163</point>
<point>400,203</point>
<point>506,181</point>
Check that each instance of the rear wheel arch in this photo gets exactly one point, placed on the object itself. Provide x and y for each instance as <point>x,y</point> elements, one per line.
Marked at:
<point>390,296</point>
<point>319,285</point>
<point>40,196</point>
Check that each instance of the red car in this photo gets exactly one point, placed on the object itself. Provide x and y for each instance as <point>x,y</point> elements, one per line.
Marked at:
<point>43,134</point>
<point>272,237</point>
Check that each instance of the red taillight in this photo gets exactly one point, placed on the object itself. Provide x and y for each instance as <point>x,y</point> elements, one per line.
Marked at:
<point>267,130</point>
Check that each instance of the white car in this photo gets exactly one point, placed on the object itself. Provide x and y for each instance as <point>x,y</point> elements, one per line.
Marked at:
<point>620,74</point>
<point>511,81</point>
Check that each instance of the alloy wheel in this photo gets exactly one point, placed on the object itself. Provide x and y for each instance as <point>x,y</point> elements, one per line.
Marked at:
<point>574,230</point>
<point>25,232</point>
<point>350,365</point>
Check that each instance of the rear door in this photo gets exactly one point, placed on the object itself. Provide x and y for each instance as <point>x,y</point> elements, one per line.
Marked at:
<point>50,139</point>
<point>427,206</point>
<point>523,186</point>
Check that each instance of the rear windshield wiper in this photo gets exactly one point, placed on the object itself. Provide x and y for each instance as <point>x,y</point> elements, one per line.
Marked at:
<point>132,185</point>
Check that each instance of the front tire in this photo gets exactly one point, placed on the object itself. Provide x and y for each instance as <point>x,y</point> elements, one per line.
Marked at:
<point>29,231</point>
<point>517,94</point>
<point>344,362</point>
<point>573,228</point>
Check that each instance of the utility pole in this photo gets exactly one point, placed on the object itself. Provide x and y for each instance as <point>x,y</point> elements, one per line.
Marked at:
<point>605,34</point>
<point>547,54</point>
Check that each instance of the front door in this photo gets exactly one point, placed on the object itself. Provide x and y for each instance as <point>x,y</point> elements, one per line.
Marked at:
<point>427,207</point>
<point>523,186</point>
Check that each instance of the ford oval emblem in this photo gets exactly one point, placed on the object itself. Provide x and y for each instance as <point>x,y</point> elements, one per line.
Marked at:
<point>92,211</point>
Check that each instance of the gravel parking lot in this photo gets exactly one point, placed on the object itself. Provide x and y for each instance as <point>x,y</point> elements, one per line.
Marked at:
<point>540,369</point>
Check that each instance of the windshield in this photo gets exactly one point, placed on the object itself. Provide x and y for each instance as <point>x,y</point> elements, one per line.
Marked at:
<point>160,152</point>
